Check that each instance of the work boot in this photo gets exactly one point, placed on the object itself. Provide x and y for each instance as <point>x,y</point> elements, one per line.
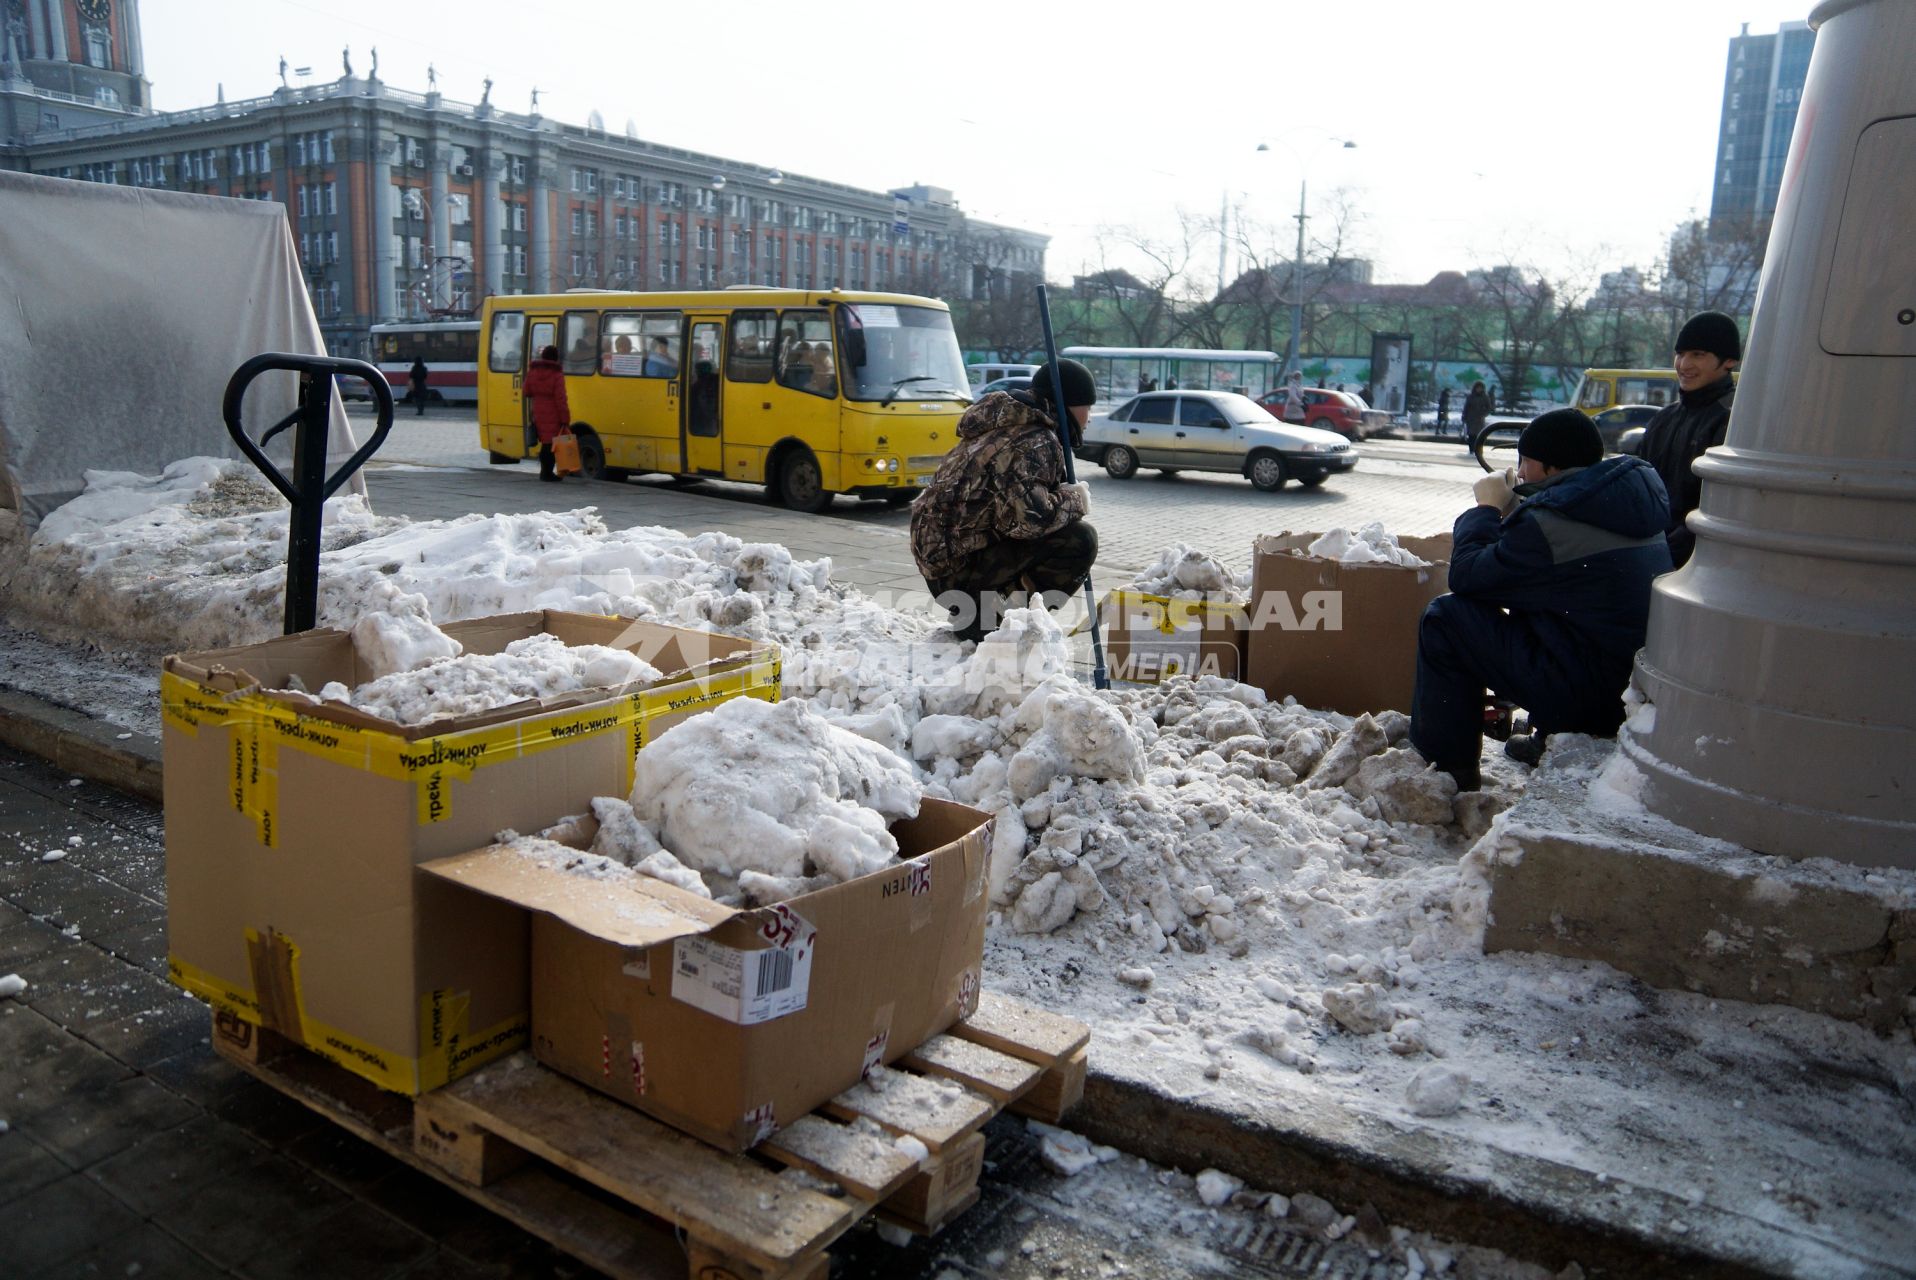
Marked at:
<point>1526,748</point>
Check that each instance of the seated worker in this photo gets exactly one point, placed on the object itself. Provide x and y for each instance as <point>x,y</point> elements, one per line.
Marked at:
<point>999,520</point>
<point>1549,597</point>
<point>659,362</point>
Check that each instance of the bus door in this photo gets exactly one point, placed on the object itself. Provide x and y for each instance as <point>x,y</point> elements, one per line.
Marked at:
<point>701,420</point>
<point>541,332</point>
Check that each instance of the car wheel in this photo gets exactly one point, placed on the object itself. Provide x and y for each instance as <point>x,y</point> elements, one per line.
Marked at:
<point>801,486</point>
<point>1267,472</point>
<point>1120,463</point>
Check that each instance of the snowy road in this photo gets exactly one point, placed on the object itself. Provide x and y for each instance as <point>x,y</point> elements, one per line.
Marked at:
<point>1413,487</point>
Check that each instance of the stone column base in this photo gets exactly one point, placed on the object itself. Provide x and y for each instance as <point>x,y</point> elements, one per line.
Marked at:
<point>1579,868</point>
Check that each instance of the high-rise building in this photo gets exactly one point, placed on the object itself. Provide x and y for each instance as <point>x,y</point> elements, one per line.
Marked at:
<point>1762,87</point>
<point>405,205</point>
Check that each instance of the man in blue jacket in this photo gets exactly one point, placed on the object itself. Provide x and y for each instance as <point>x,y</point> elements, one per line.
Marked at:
<point>1549,597</point>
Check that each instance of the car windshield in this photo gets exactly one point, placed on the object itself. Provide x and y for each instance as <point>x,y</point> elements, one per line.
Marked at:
<point>1242,410</point>
<point>894,352</point>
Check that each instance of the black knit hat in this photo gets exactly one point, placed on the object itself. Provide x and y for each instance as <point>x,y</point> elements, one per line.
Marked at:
<point>1079,386</point>
<point>1711,331</point>
<point>1562,438</point>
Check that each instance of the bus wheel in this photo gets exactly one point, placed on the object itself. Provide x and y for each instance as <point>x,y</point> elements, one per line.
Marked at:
<point>592,457</point>
<point>800,484</point>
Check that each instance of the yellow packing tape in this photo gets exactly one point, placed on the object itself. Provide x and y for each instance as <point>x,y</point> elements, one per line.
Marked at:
<point>449,1049</point>
<point>260,726</point>
<point>1166,613</point>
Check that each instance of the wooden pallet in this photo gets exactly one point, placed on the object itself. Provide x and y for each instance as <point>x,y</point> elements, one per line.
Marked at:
<point>637,1199</point>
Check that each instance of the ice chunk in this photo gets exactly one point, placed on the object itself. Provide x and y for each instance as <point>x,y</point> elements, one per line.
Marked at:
<point>1437,1090</point>
<point>1369,544</point>
<point>1182,570</point>
<point>773,788</point>
<point>401,638</point>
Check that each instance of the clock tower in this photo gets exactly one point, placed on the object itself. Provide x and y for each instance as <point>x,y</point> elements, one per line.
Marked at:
<point>83,55</point>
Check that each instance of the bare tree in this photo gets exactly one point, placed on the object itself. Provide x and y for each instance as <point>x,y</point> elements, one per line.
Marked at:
<point>1138,288</point>
<point>1521,321</point>
<point>1712,267</point>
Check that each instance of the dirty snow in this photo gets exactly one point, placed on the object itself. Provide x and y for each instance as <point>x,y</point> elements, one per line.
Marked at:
<point>1367,544</point>
<point>1253,903</point>
<point>537,666</point>
<point>1187,573</point>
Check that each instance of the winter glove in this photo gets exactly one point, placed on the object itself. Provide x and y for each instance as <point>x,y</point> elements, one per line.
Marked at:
<point>1076,497</point>
<point>1498,489</point>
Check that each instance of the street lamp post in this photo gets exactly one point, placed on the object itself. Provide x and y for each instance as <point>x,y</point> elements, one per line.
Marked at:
<point>1297,258</point>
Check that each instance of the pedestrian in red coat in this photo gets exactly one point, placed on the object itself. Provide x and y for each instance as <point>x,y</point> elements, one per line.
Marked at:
<point>545,394</point>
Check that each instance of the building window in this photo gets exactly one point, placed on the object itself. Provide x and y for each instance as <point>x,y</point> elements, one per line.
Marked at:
<point>578,222</point>
<point>99,47</point>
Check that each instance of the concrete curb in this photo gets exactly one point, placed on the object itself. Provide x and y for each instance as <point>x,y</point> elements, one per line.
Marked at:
<point>1526,1206</point>
<point>81,745</point>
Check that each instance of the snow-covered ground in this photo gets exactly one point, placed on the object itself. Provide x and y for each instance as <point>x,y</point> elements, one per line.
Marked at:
<point>1255,904</point>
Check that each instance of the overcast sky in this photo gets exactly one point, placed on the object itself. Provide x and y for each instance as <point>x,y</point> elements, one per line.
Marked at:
<point>1569,137</point>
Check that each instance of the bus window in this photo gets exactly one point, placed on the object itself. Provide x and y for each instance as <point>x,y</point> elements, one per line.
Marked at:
<point>508,342</point>
<point>640,344</point>
<point>581,351</point>
<point>750,357</point>
<point>805,353</point>
<point>1596,394</point>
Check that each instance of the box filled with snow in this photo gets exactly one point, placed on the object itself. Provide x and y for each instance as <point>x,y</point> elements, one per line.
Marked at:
<point>1334,615</point>
<point>294,825</point>
<point>729,1022</point>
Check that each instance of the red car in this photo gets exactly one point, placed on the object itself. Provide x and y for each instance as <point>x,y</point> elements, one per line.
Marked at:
<point>1338,411</point>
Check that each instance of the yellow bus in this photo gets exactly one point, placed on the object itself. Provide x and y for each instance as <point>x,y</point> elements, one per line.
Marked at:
<point>810,393</point>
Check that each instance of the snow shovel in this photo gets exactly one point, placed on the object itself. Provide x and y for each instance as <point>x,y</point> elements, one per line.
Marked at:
<point>310,486</point>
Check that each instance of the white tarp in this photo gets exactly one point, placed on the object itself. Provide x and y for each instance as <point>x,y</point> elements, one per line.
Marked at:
<point>123,313</point>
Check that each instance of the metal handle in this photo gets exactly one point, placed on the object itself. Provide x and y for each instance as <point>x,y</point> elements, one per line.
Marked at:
<point>309,368</point>
<point>310,486</point>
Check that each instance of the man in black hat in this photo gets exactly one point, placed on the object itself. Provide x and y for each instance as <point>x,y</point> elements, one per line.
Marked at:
<point>999,523</point>
<point>1549,596</point>
<point>1707,349</point>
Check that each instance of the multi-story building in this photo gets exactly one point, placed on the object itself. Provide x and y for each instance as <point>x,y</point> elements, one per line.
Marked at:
<point>406,204</point>
<point>1762,87</point>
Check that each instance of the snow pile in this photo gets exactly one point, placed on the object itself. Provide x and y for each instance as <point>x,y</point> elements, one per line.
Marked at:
<point>538,666</point>
<point>195,559</point>
<point>757,791</point>
<point>1187,573</point>
<point>1369,544</point>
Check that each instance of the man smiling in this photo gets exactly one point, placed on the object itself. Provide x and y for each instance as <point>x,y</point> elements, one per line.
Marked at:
<point>1707,349</point>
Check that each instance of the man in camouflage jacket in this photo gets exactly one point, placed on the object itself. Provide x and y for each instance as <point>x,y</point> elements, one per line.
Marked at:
<point>999,519</point>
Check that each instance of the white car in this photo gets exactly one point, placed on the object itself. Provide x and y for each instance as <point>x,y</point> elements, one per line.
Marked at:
<point>1212,431</point>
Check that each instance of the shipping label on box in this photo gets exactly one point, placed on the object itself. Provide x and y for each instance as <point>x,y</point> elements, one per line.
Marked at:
<point>1336,636</point>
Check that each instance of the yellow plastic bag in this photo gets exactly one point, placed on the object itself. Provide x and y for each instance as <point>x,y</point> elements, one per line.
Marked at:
<point>565,454</point>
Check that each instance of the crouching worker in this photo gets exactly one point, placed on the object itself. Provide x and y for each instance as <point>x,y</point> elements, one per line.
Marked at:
<point>999,523</point>
<point>1549,597</point>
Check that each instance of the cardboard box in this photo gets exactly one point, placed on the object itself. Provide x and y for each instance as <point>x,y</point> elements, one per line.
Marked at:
<point>1342,637</point>
<point>293,832</point>
<point>729,1024</point>
<point>1148,638</point>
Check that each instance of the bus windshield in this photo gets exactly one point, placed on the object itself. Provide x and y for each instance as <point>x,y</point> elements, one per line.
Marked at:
<point>893,352</point>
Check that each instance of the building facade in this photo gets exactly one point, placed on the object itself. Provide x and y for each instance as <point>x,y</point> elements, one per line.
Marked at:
<point>1762,88</point>
<point>407,205</point>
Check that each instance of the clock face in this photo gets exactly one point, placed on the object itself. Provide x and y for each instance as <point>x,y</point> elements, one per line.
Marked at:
<point>95,10</point>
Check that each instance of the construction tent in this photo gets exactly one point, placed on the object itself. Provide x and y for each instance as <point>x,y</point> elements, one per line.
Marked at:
<point>123,313</point>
